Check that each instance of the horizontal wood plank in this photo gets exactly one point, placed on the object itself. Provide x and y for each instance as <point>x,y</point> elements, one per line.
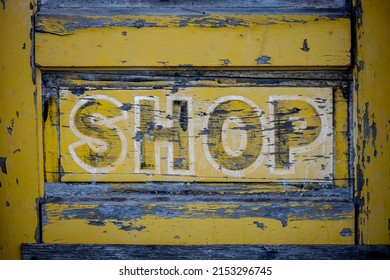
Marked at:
<point>180,214</point>
<point>199,6</point>
<point>197,41</point>
<point>78,192</point>
<point>214,252</point>
<point>90,77</point>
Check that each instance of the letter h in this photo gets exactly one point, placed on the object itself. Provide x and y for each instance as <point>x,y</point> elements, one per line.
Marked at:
<point>174,131</point>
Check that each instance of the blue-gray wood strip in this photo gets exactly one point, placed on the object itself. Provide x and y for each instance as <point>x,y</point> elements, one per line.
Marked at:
<point>127,202</point>
<point>199,7</point>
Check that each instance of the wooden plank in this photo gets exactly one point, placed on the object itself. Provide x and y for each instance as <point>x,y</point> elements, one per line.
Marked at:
<point>21,175</point>
<point>213,252</point>
<point>90,77</point>
<point>199,6</point>
<point>372,126</point>
<point>183,214</point>
<point>196,41</point>
<point>202,134</point>
<point>51,4</point>
<point>221,224</point>
<point>76,192</point>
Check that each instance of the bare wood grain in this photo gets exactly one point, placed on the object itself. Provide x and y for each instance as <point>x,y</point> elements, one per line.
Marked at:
<point>217,252</point>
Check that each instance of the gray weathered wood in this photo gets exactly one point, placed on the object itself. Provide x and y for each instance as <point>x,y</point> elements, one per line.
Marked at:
<point>129,202</point>
<point>73,192</point>
<point>192,77</point>
<point>193,7</point>
<point>191,72</point>
<point>218,252</point>
<point>198,3</point>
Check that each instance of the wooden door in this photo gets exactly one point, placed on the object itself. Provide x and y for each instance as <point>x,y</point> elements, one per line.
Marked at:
<point>195,123</point>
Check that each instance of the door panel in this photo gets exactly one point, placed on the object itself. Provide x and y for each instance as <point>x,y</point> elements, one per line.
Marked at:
<point>227,124</point>
<point>198,134</point>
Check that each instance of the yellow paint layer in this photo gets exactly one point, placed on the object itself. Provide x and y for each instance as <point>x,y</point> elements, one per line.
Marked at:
<point>206,231</point>
<point>373,121</point>
<point>20,175</point>
<point>291,41</point>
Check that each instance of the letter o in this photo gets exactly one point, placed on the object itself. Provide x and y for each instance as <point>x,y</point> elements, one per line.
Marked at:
<point>252,122</point>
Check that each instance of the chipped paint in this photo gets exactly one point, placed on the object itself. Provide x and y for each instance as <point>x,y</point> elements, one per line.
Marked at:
<point>168,209</point>
<point>63,25</point>
<point>190,212</point>
<point>191,219</point>
<point>225,62</point>
<point>265,59</point>
<point>20,171</point>
<point>360,66</point>
<point>305,47</point>
<point>194,231</point>
<point>3,164</point>
<point>372,117</point>
<point>260,225</point>
<point>346,232</point>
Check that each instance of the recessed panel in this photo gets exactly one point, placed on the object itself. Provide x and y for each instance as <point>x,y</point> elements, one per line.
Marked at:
<point>256,134</point>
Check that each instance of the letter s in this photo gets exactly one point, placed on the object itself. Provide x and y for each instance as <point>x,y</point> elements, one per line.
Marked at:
<point>102,146</point>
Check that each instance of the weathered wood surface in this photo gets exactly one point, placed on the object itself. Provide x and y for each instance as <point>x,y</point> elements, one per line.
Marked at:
<point>20,136</point>
<point>372,121</point>
<point>199,6</point>
<point>198,41</point>
<point>94,192</point>
<point>178,213</point>
<point>68,77</point>
<point>215,252</point>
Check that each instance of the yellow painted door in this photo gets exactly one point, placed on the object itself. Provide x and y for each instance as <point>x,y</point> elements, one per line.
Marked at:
<point>180,123</point>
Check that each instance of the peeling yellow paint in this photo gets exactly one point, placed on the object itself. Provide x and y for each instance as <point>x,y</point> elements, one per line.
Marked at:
<point>371,85</point>
<point>154,230</point>
<point>269,45</point>
<point>21,174</point>
<point>203,223</point>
